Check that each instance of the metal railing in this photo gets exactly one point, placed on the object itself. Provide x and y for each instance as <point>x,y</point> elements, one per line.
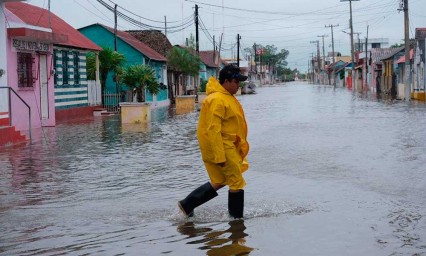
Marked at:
<point>111,102</point>
<point>10,90</point>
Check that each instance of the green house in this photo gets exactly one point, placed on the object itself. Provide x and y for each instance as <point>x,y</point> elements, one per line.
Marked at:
<point>135,52</point>
<point>210,64</point>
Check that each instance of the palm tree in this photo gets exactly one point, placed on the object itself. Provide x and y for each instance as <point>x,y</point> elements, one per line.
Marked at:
<point>182,61</point>
<point>138,77</point>
<point>109,60</point>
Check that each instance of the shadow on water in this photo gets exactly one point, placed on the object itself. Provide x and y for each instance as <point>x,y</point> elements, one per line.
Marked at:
<point>230,241</point>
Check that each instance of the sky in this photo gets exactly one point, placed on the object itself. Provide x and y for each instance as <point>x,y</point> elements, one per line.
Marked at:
<point>287,24</point>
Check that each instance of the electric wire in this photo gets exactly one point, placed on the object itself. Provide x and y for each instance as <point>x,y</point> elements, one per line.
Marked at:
<point>143,25</point>
<point>156,21</point>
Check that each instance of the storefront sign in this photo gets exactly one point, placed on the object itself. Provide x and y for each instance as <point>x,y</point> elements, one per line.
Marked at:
<point>22,45</point>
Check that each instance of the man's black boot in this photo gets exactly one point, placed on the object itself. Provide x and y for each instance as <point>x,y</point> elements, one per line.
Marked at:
<point>236,204</point>
<point>196,198</point>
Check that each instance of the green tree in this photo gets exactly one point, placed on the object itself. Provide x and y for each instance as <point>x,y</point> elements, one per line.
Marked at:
<point>396,45</point>
<point>183,61</point>
<point>139,77</point>
<point>109,61</point>
<point>272,57</point>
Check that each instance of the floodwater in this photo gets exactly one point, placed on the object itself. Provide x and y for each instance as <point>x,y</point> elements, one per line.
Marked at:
<point>332,173</point>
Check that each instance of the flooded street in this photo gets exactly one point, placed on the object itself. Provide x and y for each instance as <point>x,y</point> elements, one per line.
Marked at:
<point>331,172</point>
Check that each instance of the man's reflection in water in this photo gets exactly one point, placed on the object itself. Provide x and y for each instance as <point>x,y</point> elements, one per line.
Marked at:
<point>219,242</point>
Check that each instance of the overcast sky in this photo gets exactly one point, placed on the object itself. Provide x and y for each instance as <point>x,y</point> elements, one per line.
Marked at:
<point>289,24</point>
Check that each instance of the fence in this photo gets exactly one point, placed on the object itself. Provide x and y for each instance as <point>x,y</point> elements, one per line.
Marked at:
<point>112,101</point>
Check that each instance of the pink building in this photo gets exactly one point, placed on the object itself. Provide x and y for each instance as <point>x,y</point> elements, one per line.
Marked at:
<point>26,57</point>
<point>37,49</point>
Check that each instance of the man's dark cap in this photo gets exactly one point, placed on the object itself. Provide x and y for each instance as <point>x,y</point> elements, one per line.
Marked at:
<point>231,71</point>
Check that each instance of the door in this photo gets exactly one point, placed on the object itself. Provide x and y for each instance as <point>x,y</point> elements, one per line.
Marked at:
<point>44,99</point>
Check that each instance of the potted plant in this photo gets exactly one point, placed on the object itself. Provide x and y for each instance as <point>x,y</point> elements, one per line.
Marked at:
<point>138,78</point>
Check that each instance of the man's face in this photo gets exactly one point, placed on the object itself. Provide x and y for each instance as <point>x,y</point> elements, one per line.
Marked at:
<point>233,86</point>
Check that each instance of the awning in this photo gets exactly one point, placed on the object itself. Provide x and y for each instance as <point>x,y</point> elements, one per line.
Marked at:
<point>37,35</point>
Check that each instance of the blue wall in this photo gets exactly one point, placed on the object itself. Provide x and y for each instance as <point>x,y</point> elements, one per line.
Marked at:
<point>104,38</point>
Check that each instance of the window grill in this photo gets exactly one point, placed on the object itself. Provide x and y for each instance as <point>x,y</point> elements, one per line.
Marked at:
<point>65,67</point>
<point>25,69</point>
<point>76,67</point>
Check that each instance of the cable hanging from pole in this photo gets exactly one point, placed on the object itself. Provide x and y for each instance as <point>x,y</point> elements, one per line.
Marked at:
<point>188,21</point>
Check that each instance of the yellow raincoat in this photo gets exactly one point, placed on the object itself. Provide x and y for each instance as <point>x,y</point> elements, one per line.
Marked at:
<point>222,135</point>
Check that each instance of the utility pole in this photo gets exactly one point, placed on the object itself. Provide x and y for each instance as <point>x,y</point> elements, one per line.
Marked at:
<point>197,42</point>
<point>352,41</point>
<point>115,27</point>
<point>358,49</point>
<point>318,55</point>
<point>48,7</point>
<point>332,48</point>
<point>255,65</point>
<point>312,66</point>
<point>165,36</point>
<point>323,51</point>
<point>407,51</point>
<point>214,50</point>
<point>117,87</point>
<point>238,49</point>
<point>366,60</point>
<point>309,67</point>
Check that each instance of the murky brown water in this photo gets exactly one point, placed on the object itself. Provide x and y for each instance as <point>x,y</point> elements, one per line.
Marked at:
<point>332,173</point>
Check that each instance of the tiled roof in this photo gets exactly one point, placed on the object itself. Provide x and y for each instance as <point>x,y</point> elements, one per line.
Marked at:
<point>138,45</point>
<point>378,54</point>
<point>208,57</point>
<point>36,16</point>
<point>393,51</point>
<point>154,39</point>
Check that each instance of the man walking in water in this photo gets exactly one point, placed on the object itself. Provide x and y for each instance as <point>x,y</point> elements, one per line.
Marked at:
<point>222,135</point>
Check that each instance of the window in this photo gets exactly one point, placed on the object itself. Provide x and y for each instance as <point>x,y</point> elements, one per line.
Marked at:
<point>65,67</point>
<point>55,60</point>
<point>375,45</point>
<point>25,69</point>
<point>76,67</point>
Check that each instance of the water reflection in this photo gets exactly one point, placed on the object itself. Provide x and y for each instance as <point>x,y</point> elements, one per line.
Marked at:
<point>144,127</point>
<point>219,242</point>
<point>97,187</point>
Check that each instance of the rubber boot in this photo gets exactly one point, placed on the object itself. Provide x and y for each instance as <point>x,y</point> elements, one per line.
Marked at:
<point>236,204</point>
<point>196,198</point>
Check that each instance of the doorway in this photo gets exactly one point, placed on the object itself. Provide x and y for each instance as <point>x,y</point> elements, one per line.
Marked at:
<point>44,92</point>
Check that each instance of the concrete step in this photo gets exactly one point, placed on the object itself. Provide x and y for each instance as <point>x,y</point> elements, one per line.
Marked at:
<point>9,136</point>
<point>4,119</point>
<point>107,113</point>
<point>99,111</point>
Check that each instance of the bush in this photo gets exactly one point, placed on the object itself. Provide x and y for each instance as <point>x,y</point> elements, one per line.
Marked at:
<point>203,86</point>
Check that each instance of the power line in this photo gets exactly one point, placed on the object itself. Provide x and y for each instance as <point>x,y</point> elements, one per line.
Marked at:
<point>162,22</point>
<point>176,28</point>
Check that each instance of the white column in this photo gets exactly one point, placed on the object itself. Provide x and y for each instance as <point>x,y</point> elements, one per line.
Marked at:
<point>3,60</point>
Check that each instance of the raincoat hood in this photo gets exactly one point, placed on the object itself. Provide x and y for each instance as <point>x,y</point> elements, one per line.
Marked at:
<point>213,86</point>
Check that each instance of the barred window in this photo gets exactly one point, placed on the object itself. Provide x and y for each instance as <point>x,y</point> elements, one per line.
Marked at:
<point>65,67</point>
<point>25,69</point>
<point>76,67</point>
<point>55,59</point>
